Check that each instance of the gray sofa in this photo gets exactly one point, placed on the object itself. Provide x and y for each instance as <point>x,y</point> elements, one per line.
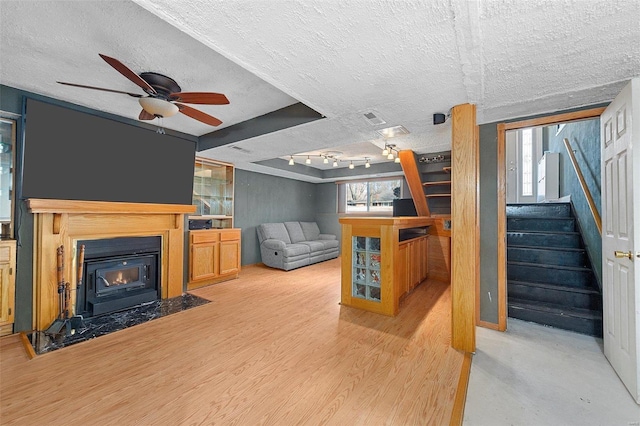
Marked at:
<point>290,245</point>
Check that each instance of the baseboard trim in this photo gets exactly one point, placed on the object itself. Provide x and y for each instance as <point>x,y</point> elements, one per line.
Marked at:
<point>491,325</point>
<point>31,353</point>
<point>457,414</point>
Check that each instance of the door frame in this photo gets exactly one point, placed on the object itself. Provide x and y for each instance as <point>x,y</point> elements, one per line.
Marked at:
<point>502,200</point>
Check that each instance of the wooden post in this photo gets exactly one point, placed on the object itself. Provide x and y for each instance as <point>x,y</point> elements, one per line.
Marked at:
<point>465,258</point>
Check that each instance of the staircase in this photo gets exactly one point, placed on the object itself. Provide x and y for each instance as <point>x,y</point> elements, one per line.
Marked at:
<point>549,275</point>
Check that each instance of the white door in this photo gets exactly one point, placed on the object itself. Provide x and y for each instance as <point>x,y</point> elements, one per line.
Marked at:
<point>620,131</point>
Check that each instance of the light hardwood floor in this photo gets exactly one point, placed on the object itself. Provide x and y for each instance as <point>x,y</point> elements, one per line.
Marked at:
<point>272,348</point>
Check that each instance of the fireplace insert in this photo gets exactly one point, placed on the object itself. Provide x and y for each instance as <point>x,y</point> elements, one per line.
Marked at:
<point>118,273</point>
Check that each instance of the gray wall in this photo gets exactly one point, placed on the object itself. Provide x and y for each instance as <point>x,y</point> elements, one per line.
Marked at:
<point>488,219</point>
<point>11,101</point>
<point>262,198</point>
<point>327,208</point>
<point>584,137</point>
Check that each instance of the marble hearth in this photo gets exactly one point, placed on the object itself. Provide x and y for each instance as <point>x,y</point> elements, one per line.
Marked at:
<point>65,222</point>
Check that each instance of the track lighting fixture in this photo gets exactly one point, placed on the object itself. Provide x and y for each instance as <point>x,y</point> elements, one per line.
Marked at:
<point>435,159</point>
<point>390,150</point>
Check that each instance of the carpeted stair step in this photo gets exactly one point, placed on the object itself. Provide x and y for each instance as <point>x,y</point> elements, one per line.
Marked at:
<point>582,321</point>
<point>531,292</point>
<point>548,255</point>
<point>552,274</point>
<point>545,224</point>
<point>540,210</point>
<point>544,239</point>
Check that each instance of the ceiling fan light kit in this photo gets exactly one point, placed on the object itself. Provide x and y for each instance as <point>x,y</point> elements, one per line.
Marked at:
<point>158,107</point>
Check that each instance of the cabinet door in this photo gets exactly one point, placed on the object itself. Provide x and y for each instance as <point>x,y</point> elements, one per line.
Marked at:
<point>203,261</point>
<point>6,304</point>
<point>403,269</point>
<point>229,257</point>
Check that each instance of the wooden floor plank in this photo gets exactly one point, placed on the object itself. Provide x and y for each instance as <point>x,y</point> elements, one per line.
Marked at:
<point>271,348</point>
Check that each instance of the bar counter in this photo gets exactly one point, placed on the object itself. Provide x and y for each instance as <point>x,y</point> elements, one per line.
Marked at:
<point>382,259</point>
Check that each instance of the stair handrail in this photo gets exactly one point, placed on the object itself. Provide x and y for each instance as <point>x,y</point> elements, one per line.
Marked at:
<point>583,185</point>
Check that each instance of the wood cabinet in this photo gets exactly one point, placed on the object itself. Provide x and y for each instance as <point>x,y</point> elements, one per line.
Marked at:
<point>414,263</point>
<point>214,256</point>
<point>7,285</point>
<point>377,268</point>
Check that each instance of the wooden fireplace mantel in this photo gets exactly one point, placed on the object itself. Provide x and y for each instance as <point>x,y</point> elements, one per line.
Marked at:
<point>41,205</point>
<point>64,222</point>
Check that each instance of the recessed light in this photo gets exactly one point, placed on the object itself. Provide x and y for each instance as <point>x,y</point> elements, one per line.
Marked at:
<point>392,132</point>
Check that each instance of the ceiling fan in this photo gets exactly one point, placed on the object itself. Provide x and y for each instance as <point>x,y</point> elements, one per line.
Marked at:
<point>164,97</point>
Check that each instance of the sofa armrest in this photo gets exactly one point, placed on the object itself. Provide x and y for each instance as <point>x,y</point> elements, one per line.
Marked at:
<point>327,237</point>
<point>274,244</point>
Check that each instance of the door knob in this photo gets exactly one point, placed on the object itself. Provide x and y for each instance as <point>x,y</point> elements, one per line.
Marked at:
<point>620,254</point>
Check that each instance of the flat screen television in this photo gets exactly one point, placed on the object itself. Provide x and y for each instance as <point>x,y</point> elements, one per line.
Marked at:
<point>72,155</point>
<point>404,207</point>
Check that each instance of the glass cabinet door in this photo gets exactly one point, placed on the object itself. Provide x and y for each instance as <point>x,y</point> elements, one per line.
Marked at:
<point>366,268</point>
<point>7,150</point>
<point>213,192</point>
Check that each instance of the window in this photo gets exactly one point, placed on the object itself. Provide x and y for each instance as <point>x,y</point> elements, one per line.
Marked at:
<point>527,162</point>
<point>374,196</point>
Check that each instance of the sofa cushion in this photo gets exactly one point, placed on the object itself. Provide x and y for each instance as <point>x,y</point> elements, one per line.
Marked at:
<point>292,250</point>
<point>310,230</point>
<point>275,231</point>
<point>295,232</point>
<point>329,244</point>
<point>314,246</point>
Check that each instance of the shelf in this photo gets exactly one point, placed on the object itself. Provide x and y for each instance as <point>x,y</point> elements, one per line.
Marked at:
<point>213,191</point>
<point>439,182</point>
<point>438,195</point>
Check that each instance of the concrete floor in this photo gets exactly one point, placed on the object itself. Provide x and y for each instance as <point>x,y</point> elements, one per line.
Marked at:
<point>537,375</point>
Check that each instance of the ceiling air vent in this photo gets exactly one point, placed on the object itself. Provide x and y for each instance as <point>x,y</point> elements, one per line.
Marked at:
<point>373,119</point>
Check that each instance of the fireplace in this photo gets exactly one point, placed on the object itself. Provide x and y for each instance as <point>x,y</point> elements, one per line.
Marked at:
<point>65,222</point>
<point>119,273</point>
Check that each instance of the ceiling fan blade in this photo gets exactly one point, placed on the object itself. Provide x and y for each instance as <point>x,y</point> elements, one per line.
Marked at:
<point>205,98</point>
<point>124,70</point>
<point>144,115</point>
<point>198,115</point>
<point>135,95</point>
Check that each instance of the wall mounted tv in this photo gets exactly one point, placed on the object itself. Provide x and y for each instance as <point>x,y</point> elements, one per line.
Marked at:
<point>71,155</point>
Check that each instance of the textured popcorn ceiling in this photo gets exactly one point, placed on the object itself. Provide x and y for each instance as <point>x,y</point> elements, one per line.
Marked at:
<point>404,60</point>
